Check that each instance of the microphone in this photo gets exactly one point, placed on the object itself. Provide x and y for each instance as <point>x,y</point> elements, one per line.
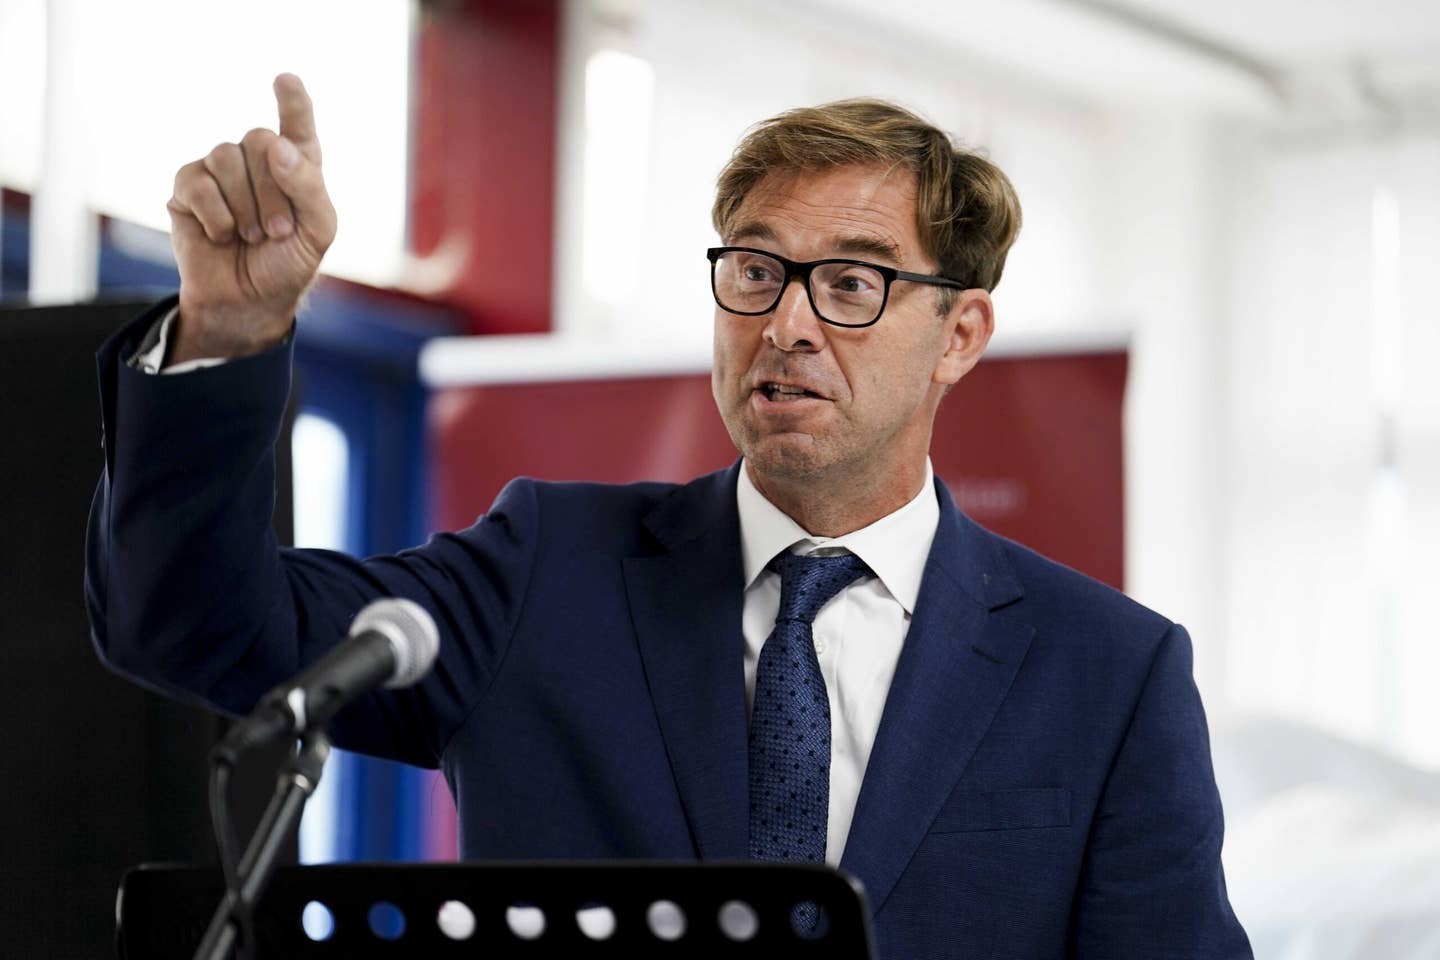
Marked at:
<point>392,642</point>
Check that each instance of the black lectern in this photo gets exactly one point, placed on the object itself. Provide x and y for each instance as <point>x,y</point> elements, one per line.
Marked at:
<point>630,909</point>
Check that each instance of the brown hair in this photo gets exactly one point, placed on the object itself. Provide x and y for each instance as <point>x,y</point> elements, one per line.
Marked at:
<point>967,212</point>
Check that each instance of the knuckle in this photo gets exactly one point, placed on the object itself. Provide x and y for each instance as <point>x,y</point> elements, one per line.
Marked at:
<point>258,137</point>
<point>224,154</point>
<point>188,173</point>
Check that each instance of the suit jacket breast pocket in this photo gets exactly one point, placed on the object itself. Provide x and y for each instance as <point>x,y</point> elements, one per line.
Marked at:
<point>1018,809</point>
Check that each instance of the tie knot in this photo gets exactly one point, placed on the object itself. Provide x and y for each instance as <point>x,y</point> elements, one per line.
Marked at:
<point>808,582</point>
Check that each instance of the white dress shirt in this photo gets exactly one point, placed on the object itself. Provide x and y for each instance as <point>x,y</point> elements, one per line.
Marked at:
<point>858,634</point>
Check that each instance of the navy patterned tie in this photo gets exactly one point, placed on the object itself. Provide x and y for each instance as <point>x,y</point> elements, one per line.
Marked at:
<point>790,724</point>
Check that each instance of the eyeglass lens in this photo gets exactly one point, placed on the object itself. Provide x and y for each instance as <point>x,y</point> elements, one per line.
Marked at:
<point>843,292</point>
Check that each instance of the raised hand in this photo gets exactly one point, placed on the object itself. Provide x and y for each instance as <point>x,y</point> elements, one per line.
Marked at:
<point>250,223</point>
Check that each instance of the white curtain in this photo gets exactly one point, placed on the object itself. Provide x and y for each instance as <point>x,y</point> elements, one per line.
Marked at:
<point>1332,551</point>
<point>1333,522</point>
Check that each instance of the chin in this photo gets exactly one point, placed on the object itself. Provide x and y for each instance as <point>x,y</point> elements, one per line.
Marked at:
<point>788,459</point>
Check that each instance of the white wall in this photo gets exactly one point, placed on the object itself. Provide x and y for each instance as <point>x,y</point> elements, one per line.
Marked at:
<point>1161,247</point>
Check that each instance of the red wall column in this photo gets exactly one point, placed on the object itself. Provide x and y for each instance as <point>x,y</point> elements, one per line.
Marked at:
<point>484,160</point>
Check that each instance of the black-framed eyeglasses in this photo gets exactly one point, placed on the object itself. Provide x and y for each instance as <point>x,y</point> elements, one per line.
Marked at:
<point>845,293</point>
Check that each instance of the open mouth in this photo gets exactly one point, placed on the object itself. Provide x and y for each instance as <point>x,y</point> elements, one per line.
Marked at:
<point>781,392</point>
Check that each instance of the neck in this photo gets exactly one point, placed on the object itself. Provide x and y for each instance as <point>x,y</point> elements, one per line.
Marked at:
<point>837,508</point>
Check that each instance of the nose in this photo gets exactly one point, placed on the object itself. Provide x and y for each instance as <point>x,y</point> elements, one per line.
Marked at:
<point>793,325</point>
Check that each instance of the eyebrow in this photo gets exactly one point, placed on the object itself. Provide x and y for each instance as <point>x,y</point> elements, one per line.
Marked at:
<point>869,246</point>
<point>854,246</point>
<point>754,230</point>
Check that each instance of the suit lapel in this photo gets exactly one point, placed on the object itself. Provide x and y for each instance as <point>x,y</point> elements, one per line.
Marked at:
<point>686,602</point>
<point>956,667</point>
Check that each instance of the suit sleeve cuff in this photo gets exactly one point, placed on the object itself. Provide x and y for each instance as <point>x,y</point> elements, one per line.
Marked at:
<point>150,356</point>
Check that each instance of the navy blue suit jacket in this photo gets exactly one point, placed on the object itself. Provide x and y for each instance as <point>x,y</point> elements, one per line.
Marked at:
<point>1040,785</point>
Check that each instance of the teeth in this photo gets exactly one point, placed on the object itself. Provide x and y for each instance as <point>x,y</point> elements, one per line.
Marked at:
<point>778,390</point>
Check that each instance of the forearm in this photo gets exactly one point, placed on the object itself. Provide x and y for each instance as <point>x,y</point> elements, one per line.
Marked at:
<point>188,591</point>
<point>182,567</point>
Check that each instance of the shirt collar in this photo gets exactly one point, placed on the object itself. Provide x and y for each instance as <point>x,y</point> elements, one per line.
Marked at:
<point>895,547</point>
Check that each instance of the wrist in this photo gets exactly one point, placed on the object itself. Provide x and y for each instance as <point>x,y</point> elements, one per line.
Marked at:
<point>225,333</point>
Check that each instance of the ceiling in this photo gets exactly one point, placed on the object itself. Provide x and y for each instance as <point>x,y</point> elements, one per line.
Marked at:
<point>1256,57</point>
<point>1299,33</point>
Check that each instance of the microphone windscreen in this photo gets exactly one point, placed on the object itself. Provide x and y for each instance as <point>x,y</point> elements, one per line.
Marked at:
<point>411,631</point>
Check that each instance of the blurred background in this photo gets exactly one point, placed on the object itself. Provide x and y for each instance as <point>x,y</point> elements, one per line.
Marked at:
<point>1218,329</point>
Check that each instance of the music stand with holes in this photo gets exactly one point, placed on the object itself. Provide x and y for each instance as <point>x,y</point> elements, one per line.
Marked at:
<point>630,909</point>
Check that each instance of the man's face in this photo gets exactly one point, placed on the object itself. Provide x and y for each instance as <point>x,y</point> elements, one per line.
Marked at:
<point>871,392</point>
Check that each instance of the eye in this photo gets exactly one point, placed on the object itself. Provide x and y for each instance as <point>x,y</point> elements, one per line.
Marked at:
<point>852,280</point>
<point>760,270</point>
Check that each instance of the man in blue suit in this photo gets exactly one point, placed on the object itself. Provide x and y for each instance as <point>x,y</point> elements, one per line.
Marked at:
<point>811,655</point>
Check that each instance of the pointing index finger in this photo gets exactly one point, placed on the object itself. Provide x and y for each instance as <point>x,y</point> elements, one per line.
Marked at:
<point>297,115</point>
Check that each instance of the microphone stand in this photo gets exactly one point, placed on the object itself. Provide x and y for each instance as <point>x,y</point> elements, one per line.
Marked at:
<point>298,779</point>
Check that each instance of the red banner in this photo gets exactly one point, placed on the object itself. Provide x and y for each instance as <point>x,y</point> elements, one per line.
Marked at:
<point>1031,447</point>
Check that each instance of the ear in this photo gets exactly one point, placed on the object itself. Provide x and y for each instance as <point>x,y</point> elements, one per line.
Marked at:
<point>968,325</point>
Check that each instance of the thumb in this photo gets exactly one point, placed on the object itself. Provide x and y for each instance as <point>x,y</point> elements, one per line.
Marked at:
<point>302,182</point>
